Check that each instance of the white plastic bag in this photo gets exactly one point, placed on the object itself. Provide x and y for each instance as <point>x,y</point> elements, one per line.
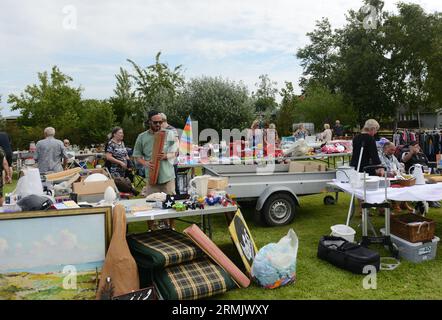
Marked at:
<point>275,263</point>
<point>298,149</point>
<point>30,183</point>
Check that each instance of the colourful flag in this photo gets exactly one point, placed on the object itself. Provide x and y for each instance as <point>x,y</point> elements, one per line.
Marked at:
<point>186,142</point>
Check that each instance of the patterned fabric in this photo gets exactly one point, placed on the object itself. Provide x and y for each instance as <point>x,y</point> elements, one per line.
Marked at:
<point>194,280</point>
<point>119,152</point>
<point>162,248</point>
<point>391,162</point>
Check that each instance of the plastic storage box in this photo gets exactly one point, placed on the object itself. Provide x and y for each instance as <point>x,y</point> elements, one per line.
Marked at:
<point>415,252</point>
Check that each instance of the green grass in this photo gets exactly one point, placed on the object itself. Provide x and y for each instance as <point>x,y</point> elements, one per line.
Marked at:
<point>317,279</point>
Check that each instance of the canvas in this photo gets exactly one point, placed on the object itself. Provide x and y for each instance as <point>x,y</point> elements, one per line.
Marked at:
<point>243,240</point>
<point>53,255</point>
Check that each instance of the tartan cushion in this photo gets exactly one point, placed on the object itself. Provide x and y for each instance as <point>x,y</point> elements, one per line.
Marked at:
<point>162,248</point>
<point>193,280</point>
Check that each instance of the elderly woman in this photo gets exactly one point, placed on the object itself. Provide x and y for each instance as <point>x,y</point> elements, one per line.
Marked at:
<point>327,134</point>
<point>366,143</point>
<point>118,161</point>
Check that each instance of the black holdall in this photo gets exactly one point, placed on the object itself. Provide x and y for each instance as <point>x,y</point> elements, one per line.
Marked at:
<point>347,255</point>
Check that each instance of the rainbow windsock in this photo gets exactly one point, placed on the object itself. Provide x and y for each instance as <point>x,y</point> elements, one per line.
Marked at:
<point>186,142</point>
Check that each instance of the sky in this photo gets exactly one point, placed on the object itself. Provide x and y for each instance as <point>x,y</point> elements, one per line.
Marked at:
<point>30,243</point>
<point>90,40</point>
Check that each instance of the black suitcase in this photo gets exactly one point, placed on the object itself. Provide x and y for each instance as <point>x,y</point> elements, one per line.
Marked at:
<point>347,255</point>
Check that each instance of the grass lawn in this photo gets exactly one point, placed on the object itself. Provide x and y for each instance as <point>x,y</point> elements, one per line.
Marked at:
<point>317,279</point>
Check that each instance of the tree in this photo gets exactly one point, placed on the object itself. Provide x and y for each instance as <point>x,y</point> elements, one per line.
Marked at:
<point>287,112</point>
<point>413,43</point>
<point>124,102</point>
<point>52,102</point>
<point>392,63</point>
<point>320,58</point>
<point>321,106</point>
<point>97,119</point>
<point>216,103</point>
<point>157,86</point>
<point>265,96</point>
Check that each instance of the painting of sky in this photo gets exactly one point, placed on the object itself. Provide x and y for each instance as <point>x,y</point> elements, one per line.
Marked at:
<point>48,244</point>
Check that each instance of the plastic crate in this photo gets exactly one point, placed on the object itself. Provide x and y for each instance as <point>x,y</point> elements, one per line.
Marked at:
<point>415,252</point>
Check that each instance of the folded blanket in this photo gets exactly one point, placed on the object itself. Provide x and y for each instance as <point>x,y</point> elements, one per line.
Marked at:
<point>198,279</point>
<point>162,248</point>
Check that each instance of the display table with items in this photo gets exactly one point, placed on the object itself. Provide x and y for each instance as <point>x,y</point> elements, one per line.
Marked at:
<point>139,210</point>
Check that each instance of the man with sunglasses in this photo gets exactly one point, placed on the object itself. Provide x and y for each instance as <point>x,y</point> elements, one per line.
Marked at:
<point>143,154</point>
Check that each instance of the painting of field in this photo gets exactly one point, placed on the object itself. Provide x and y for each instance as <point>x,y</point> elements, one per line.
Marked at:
<point>51,258</point>
<point>30,286</point>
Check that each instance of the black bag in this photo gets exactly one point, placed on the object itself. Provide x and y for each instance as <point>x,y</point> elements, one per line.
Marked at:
<point>347,255</point>
<point>34,202</point>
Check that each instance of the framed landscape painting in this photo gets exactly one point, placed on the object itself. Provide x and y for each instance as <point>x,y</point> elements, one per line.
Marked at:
<point>53,255</point>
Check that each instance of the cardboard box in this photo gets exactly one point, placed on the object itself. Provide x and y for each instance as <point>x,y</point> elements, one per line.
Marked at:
<point>307,166</point>
<point>296,166</point>
<point>92,191</point>
<point>218,183</point>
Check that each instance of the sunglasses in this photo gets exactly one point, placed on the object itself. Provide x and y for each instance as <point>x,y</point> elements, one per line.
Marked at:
<point>157,122</point>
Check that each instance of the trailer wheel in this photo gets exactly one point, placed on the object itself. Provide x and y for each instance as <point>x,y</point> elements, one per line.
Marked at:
<point>279,209</point>
<point>329,200</point>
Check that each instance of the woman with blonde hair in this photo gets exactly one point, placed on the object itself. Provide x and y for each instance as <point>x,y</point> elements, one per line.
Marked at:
<point>370,154</point>
<point>327,134</point>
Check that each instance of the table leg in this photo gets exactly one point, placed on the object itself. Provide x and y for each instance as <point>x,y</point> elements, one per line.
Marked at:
<point>209,226</point>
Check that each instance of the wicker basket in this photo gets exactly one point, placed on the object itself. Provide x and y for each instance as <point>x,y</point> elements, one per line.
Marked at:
<point>405,183</point>
<point>413,228</point>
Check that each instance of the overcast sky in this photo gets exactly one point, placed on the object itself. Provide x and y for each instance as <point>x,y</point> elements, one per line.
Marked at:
<point>90,40</point>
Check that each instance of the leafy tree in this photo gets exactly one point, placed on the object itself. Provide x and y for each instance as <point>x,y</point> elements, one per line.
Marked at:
<point>378,70</point>
<point>52,102</point>
<point>124,102</point>
<point>216,103</point>
<point>320,57</point>
<point>265,96</point>
<point>321,106</point>
<point>97,120</point>
<point>132,127</point>
<point>157,86</point>
<point>287,112</point>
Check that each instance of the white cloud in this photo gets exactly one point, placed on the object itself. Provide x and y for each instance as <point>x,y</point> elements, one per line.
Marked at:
<point>49,241</point>
<point>68,240</point>
<point>208,37</point>
<point>3,245</point>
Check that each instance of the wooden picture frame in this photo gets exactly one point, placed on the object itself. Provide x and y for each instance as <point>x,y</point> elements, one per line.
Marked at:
<point>53,255</point>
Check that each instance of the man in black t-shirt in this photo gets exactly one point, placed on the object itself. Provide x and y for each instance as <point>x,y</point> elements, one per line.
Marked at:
<point>414,156</point>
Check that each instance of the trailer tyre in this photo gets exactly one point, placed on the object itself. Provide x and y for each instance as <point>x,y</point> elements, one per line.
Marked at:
<point>329,200</point>
<point>279,209</point>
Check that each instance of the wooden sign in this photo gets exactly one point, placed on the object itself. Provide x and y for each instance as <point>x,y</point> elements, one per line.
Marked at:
<point>243,240</point>
<point>157,149</point>
<point>144,294</point>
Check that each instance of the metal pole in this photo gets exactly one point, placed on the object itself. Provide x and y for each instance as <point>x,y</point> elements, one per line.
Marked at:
<point>350,209</point>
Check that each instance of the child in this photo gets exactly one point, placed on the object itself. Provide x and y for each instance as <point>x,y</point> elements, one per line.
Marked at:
<point>7,173</point>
